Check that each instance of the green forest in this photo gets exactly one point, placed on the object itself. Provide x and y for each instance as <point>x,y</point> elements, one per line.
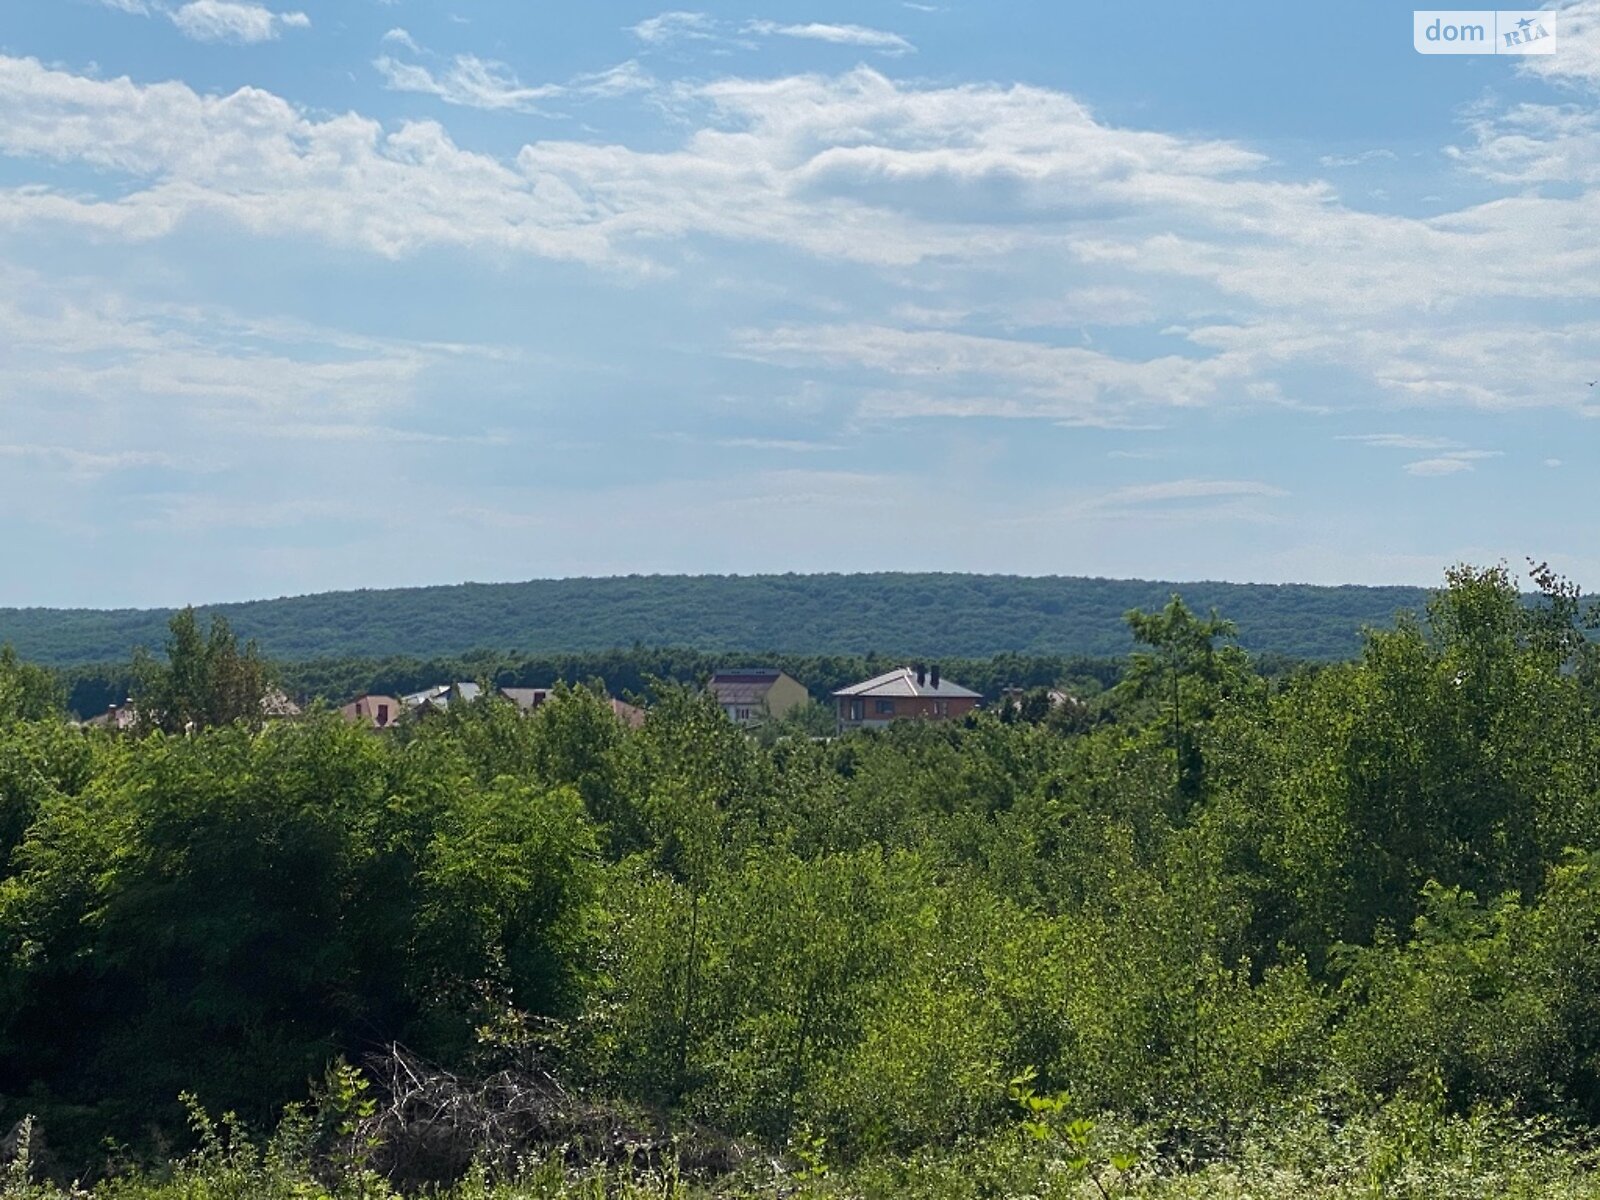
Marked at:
<point>1331,931</point>
<point>928,615</point>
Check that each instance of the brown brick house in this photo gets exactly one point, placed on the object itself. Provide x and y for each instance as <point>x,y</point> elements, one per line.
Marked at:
<point>904,694</point>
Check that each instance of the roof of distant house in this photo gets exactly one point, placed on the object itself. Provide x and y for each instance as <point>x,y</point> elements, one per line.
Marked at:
<point>529,699</point>
<point>526,697</point>
<point>902,681</point>
<point>438,696</point>
<point>747,685</point>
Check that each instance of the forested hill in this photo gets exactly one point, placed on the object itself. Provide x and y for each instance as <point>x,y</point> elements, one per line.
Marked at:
<point>928,615</point>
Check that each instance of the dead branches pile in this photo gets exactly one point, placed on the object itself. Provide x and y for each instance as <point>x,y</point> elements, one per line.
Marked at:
<point>431,1125</point>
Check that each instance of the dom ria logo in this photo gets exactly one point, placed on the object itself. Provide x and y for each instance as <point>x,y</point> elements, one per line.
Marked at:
<point>1484,31</point>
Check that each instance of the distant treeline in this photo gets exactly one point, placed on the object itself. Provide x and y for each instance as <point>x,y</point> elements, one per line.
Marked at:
<point>944,616</point>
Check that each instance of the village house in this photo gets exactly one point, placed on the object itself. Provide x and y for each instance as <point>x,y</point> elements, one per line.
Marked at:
<point>438,697</point>
<point>906,693</point>
<point>528,699</point>
<point>751,695</point>
<point>378,712</point>
<point>275,706</point>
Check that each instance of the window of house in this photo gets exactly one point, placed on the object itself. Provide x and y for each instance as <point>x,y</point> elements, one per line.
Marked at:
<point>741,714</point>
<point>383,714</point>
<point>941,708</point>
<point>858,710</point>
<point>886,708</point>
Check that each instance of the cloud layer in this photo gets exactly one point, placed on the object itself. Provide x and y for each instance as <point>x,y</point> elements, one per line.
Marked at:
<point>840,253</point>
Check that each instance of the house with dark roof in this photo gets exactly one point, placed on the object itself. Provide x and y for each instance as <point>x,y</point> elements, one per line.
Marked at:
<point>751,695</point>
<point>903,694</point>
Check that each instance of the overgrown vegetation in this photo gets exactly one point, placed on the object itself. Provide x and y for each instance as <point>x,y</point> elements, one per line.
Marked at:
<point>1334,934</point>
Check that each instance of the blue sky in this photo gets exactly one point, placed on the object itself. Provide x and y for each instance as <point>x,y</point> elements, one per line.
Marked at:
<point>378,292</point>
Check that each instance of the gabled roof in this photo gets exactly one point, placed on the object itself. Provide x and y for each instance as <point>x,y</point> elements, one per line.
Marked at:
<point>748,685</point>
<point>529,699</point>
<point>902,681</point>
<point>526,698</point>
<point>438,696</point>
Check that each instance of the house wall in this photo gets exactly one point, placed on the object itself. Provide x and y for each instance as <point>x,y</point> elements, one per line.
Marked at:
<point>904,708</point>
<point>784,694</point>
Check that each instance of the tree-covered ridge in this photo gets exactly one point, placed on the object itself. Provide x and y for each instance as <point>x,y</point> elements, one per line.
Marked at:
<point>925,615</point>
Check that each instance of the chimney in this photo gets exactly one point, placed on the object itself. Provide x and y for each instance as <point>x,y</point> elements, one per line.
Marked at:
<point>922,674</point>
<point>934,679</point>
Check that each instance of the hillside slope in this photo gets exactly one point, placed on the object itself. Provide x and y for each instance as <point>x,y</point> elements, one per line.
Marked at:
<point>928,615</point>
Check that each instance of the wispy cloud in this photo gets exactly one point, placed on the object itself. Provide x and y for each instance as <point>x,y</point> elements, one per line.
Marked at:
<point>839,35</point>
<point>473,82</point>
<point>469,81</point>
<point>87,464</point>
<point>1186,489</point>
<point>1451,463</point>
<point>399,37</point>
<point>675,26</point>
<point>1451,457</point>
<point>786,445</point>
<point>1356,160</point>
<point>229,21</point>
<point>1400,441</point>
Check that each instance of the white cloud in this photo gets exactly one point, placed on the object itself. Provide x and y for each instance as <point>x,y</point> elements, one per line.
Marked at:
<point>675,26</point>
<point>1577,58</point>
<point>1356,160</point>
<point>399,37</point>
<point>1400,441</point>
<point>786,445</point>
<point>940,373</point>
<point>1453,463</point>
<point>769,169</point>
<point>1187,489</point>
<point>471,81</point>
<point>1531,144</point>
<point>620,80</point>
<point>87,464</point>
<point>230,21</point>
<point>839,35</point>
<point>936,189</point>
<point>85,360</point>
<point>137,7</point>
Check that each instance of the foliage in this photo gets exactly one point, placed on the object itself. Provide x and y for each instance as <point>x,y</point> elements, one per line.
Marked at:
<point>1331,933</point>
<point>207,679</point>
<point>940,616</point>
<point>27,692</point>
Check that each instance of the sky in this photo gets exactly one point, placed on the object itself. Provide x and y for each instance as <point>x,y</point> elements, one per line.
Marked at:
<point>365,293</point>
